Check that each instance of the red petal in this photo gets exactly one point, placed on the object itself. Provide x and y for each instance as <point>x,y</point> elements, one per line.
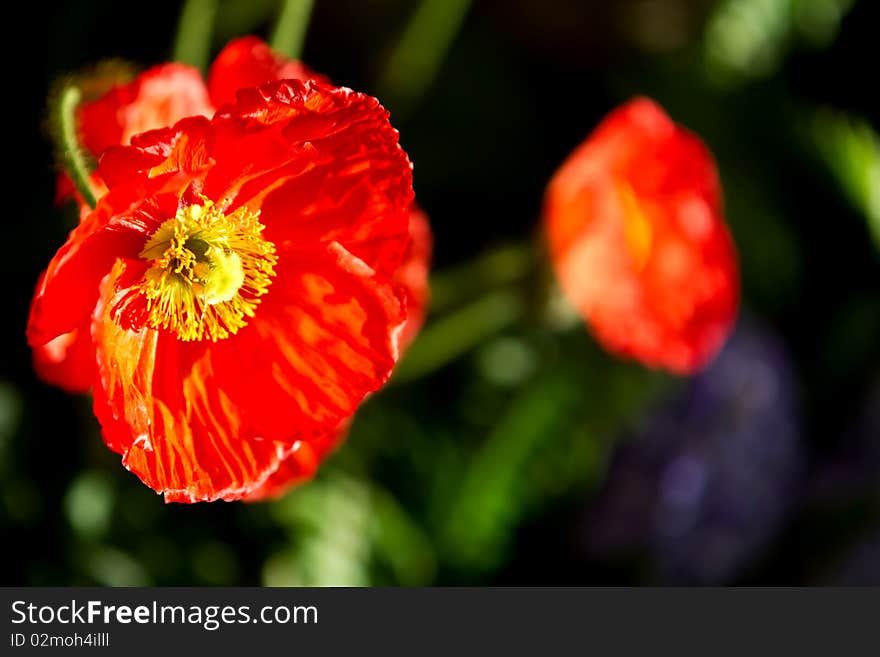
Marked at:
<point>300,465</point>
<point>322,164</point>
<point>179,152</point>
<point>340,177</point>
<point>325,335</point>
<point>160,407</point>
<point>250,62</point>
<point>68,290</point>
<point>203,421</point>
<point>669,300</point>
<point>68,361</point>
<point>157,98</point>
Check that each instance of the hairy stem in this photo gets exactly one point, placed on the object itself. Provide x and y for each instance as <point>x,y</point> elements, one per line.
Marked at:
<point>70,151</point>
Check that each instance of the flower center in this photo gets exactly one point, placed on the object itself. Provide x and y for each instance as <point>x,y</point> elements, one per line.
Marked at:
<point>637,228</point>
<point>208,271</point>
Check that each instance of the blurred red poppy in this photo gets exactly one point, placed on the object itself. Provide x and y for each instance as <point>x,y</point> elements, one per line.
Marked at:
<point>638,240</point>
<point>239,277</point>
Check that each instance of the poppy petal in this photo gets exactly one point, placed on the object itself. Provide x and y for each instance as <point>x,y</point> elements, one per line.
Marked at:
<point>157,98</point>
<point>300,465</point>
<point>327,332</point>
<point>344,178</point>
<point>68,290</point>
<point>68,361</point>
<point>250,62</point>
<point>203,421</point>
<point>413,275</point>
<point>323,165</point>
<point>177,430</point>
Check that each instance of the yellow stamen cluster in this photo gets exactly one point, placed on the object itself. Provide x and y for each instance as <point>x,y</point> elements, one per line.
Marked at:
<point>208,271</point>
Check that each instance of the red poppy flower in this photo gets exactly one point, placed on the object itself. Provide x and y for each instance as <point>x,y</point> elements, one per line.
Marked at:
<point>158,98</point>
<point>638,240</point>
<point>238,274</point>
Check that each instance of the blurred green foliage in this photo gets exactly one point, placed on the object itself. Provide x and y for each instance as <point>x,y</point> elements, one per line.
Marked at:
<point>750,38</point>
<point>419,53</point>
<point>851,150</point>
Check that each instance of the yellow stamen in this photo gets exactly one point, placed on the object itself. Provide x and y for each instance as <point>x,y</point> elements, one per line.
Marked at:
<point>209,270</point>
<point>637,228</point>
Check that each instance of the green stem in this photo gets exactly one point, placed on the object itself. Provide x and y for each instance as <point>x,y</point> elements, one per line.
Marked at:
<point>192,43</point>
<point>415,60</point>
<point>486,508</point>
<point>290,29</point>
<point>71,154</point>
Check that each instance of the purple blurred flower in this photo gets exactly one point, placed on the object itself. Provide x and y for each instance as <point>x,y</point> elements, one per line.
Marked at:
<point>710,478</point>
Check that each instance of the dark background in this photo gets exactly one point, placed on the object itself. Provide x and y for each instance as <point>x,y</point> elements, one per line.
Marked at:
<point>527,455</point>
